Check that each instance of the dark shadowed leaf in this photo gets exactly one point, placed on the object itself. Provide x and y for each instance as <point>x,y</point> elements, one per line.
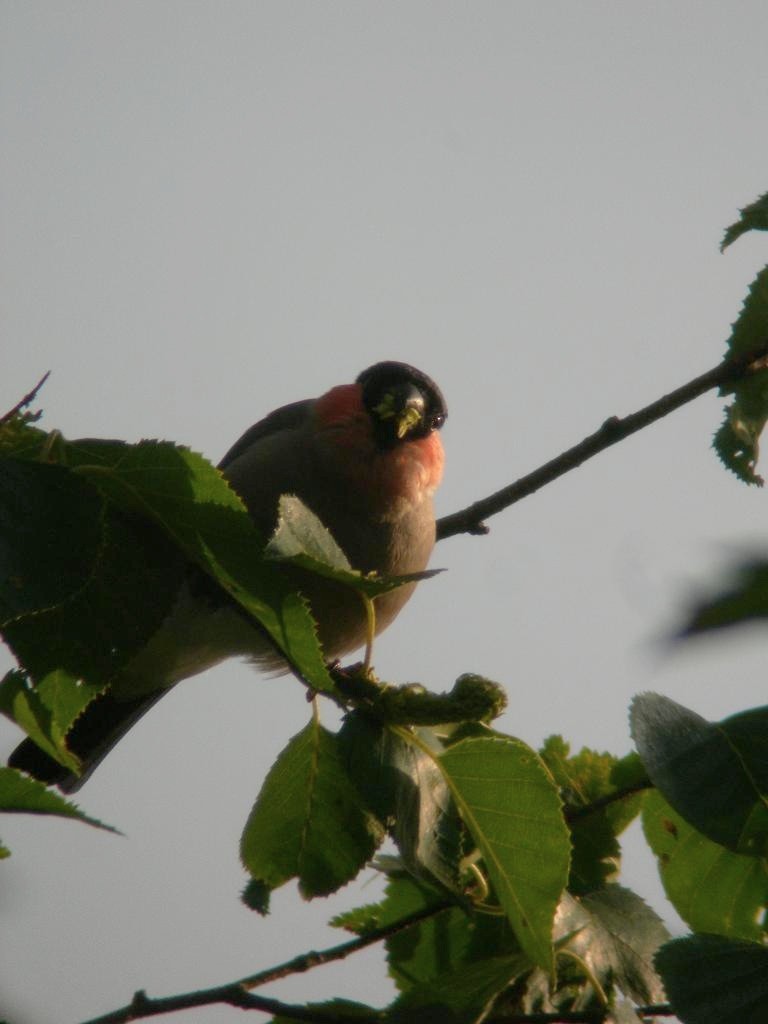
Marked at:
<point>510,805</point>
<point>712,888</point>
<point>308,821</point>
<point>458,997</point>
<point>714,774</point>
<point>190,500</point>
<point>584,778</point>
<point>753,217</point>
<point>737,440</point>
<point>404,787</point>
<point>50,535</point>
<point>744,598</point>
<point>713,980</point>
<point>20,793</point>
<point>127,596</point>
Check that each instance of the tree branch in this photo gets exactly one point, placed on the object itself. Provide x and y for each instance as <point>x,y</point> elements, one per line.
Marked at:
<point>613,430</point>
<point>235,993</point>
<point>573,814</point>
<point>25,401</point>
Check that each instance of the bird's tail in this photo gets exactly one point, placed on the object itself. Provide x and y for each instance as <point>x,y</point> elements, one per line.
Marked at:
<point>91,738</point>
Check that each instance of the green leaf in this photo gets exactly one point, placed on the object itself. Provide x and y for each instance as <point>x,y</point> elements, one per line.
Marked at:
<point>50,536</point>
<point>753,217</point>
<point>617,934</point>
<point>445,942</point>
<point>403,786</point>
<point>712,980</point>
<point>714,775</point>
<point>21,794</point>
<point>46,712</point>
<point>737,440</point>
<point>510,805</point>
<point>458,997</point>
<point>308,821</point>
<point>193,503</point>
<point>301,539</point>
<point>584,778</point>
<point>744,598</point>
<point>712,889</point>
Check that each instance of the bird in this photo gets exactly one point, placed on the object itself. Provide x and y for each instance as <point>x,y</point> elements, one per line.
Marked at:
<point>366,459</point>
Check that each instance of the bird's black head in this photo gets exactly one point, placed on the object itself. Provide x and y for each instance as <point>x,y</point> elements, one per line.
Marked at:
<point>404,403</point>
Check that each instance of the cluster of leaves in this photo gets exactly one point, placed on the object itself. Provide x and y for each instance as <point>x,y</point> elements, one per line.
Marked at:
<point>511,856</point>
<point>737,440</point>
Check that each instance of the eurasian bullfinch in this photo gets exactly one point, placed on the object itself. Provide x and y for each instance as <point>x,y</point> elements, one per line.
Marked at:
<point>366,458</point>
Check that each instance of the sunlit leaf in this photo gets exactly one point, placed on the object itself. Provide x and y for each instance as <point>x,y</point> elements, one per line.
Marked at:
<point>712,888</point>
<point>47,711</point>
<point>510,805</point>
<point>308,821</point>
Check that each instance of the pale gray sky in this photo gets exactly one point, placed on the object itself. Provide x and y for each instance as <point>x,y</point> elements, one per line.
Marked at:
<point>212,208</point>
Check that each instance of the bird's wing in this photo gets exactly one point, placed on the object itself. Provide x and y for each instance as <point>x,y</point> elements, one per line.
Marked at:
<point>285,418</point>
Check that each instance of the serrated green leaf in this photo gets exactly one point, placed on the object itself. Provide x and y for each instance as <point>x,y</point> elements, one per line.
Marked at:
<point>405,789</point>
<point>617,934</point>
<point>50,536</point>
<point>714,774</point>
<point>301,539</point>
<point>308,821</point>
<point>446,943</point>
<point>584,778</point>
<point>192,502</point>
<point>19,439</point>
<point>47,712</point>
<point>737,440</point>
<point>21,794</point>
<point>510,805</point>
<point>713,980</point>
<point>712,889</point>
<point>753,217</point>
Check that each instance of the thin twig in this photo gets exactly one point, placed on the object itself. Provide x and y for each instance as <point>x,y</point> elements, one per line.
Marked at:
<point>235,993</point>
<point>613,430</point>
<point>577,813</point>
<point>26,400</point>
